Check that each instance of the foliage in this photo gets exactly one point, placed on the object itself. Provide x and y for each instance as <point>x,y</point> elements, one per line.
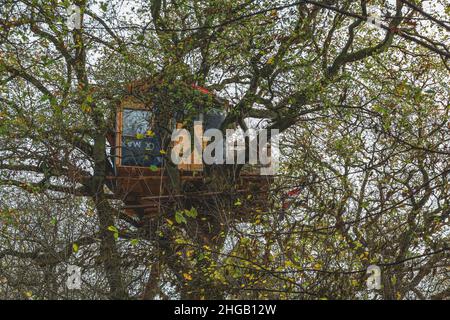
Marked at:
<point>364,113</point>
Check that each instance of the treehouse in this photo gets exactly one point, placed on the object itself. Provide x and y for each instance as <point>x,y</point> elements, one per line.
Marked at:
<point>145,177</point>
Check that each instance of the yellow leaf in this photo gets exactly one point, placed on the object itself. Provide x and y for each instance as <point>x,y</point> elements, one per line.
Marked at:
<point>288,263</point>
<point>85,108</point>
<point>187,276</point>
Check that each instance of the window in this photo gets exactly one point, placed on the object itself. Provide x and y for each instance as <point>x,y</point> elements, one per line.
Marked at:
<point>140,145</point>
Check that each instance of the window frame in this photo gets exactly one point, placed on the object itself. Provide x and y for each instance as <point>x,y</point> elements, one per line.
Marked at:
<point>130,103</point>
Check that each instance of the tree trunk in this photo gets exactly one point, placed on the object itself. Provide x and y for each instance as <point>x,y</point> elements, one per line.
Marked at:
<point>108,248</point>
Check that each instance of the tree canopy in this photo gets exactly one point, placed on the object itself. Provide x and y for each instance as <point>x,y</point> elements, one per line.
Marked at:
<point>358,89</point>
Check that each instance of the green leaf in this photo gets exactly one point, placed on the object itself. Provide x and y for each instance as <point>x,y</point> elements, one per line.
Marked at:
<point>134,242</point>
<point>191,213</point>
<point>113,229</point>
<point>89,99</point>
<point>179,218</point>
<point>153,168</point>
<point>75,247</point>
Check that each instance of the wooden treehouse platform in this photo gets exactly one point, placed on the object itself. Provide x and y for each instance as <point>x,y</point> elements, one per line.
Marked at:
<point>145,184</point>
<point>147,193</point>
